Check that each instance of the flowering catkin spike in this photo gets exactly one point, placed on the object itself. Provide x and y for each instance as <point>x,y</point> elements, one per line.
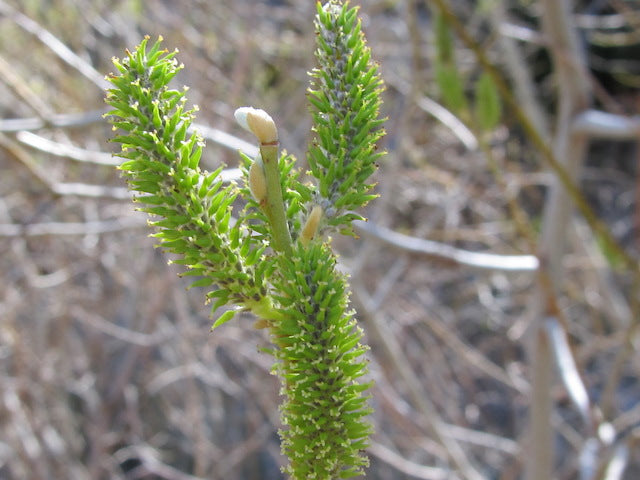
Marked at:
<point>191,209</point>
<point>345,100</point>
<point>321,362</point>
<point>259,123</point>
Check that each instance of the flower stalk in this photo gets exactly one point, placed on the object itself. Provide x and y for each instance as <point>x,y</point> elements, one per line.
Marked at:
<point>274,205</point>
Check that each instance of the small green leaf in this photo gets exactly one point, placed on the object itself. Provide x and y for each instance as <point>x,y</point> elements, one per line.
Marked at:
<point>488,107</point>
<point>451,87</point>
<point>443,40</point>
<point>224,318</point>
<point>203,282</point>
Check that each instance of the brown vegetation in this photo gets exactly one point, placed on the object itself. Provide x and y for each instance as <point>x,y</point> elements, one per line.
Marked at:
<point>107,369</point>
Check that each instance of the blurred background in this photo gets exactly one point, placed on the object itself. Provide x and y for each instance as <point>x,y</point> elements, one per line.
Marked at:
<point>107,366</point>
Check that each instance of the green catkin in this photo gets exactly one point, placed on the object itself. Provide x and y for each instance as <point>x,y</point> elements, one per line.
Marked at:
<point>190,209</point>
<point>345,99</point>
<point>321,363</point>
<point>288,279</point>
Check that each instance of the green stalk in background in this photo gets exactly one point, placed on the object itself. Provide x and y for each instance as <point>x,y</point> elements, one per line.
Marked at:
<point>275,260</point>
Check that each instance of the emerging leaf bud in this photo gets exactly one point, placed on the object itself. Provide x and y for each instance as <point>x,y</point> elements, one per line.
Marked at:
<point>257,181</point>
<point>259,123</point>
<point>311,226</point>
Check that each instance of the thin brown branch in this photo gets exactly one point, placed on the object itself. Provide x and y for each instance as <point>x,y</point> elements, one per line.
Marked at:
<point>54,44</point>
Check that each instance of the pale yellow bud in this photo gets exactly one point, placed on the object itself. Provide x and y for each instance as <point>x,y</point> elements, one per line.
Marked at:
<point>257,181</point>
<point>259,123</point>
<point>311,226</point>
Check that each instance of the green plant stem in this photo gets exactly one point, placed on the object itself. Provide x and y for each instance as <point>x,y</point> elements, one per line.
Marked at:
<point>274,207</point>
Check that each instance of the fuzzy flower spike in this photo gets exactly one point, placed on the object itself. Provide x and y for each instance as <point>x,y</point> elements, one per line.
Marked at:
<point>273,257</point>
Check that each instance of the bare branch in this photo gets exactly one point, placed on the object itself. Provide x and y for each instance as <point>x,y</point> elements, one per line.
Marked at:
<point>51,41</point>
<point>567,368</point>
<point>597,124</point>
<point>72,228</point>
<point>440,113</point>
<point>69,151</point>
<point>429,248</point>
<point>61,120</point>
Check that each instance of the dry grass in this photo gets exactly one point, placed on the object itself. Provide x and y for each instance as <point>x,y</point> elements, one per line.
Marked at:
<point>107,369</point>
